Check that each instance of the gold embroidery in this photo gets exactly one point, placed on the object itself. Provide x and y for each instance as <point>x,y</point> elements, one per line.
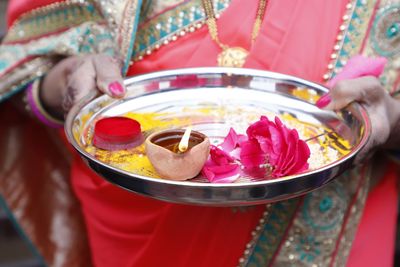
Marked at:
<point>171,25</point>
<point>384,40</point>
<point>15,59</point>
<point>315,231</point>
<point>151,8</point>
<point>352,33</point>
<point>51,18</point>
<point>17,79</point>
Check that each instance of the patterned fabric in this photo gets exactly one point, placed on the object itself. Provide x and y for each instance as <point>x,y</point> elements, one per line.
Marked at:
<point>152,8</point>
<point>65,28</point>
<point>381,24</point>
<point>322,230</point>
<point>350,41</point>
<point>384,41</point>
<point>311,231</point>
<point>168,26</point>
<point>317,236</point>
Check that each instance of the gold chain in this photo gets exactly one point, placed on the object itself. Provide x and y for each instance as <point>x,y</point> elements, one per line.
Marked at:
<point>232,56</point>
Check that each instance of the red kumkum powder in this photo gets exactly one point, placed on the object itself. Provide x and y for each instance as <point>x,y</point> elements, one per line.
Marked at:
<point>117,133</point>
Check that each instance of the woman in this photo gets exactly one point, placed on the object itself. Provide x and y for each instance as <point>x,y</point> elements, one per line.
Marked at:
<point>309,39</point>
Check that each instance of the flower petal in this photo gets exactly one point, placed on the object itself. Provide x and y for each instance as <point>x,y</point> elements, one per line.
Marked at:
<point>251,154</point>
<point>290,155</point>
<point>277,144</point>
<point>296,157</point>
<point>220,167</point>
<point>219,156</point>
<point>221,174</point>
<point>232,141</point>
<point>302,155</point>
<point>259,128</point>
<point>235,153</point>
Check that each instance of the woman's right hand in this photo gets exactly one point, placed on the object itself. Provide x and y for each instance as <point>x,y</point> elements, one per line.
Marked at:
<point>383,111</point>
<point>75,77</point>
<point>358,82</point>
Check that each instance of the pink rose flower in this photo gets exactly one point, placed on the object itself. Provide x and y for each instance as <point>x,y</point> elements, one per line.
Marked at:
<point>270,149</point>
<point>275,146</point>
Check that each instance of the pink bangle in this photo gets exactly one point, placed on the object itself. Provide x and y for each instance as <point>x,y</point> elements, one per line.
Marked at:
<point>37,109</point>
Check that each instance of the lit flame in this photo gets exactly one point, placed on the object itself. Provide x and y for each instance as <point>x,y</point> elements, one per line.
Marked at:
<point>184,143</point>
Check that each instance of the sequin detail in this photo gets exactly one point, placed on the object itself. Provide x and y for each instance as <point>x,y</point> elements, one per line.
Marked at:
<point>52,18</point>
<point>351,35</point>
<point>170,25</point>
<point>385,35</point>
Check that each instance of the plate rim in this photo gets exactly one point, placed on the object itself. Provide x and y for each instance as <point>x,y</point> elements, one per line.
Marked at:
<point>213,70</point>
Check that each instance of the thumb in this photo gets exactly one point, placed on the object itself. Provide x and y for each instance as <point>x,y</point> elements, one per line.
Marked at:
<point>108,76</point>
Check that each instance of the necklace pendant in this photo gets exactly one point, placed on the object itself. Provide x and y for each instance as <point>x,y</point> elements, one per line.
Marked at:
<point>232,57</point>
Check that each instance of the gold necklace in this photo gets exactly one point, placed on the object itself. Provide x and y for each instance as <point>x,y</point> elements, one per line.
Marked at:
<point>232,56</point>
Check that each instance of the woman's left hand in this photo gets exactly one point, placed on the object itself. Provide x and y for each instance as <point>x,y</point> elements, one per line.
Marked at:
<point>383,110</point>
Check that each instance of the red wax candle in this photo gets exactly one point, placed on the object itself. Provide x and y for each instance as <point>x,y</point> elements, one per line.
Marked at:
<point>116,133</point>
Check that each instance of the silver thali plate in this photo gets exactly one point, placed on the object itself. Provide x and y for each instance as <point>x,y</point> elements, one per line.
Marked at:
<point>212,100</point>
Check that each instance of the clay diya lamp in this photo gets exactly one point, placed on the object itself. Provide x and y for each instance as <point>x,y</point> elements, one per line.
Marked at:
<point>177,154</point>
<point>117,133</point>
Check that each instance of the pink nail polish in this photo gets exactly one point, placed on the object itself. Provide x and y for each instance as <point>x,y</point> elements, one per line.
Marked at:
<point>116,88</point>
<point>323,101</point>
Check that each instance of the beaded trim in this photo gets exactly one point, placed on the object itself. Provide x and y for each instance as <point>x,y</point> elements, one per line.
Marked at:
<point>351,35</point>
<point>256,233</point>
<point>346,236</point>
<point>170,25</point>
<point>267,236</point>
<point>362,29</point>
<point>51,18</point>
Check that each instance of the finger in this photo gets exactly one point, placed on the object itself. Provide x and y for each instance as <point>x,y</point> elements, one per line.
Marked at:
<point>108,76</point>
<point>366,90</point>
<point>80,82</point>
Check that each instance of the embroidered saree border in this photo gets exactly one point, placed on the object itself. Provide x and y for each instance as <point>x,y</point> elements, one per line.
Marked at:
<point>315,234</point>
<point>170,25</point>
<point>355,210</point>
<point>312,240</point>
<point>21,76</point>
<point>50,19</point>
<point>69,28</point>
<point>374,30</point>
<point>273,232</point>
<point>20,63</point>
<point>127,31</point>
<point>349,43</point>
<point>384,40</point>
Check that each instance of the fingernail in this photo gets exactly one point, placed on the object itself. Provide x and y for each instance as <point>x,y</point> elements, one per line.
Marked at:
<point>323,101</point>
<point>116,88</point>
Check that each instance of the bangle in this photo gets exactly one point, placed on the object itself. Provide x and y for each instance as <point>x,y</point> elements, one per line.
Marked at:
<point>32,96</point>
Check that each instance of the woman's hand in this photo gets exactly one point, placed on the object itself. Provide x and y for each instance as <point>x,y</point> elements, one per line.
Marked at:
<point>383,110</point>
<point>75,77</point>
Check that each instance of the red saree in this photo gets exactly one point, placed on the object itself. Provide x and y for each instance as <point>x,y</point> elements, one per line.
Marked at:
<point>145,232</point>
<point>297,38</point>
